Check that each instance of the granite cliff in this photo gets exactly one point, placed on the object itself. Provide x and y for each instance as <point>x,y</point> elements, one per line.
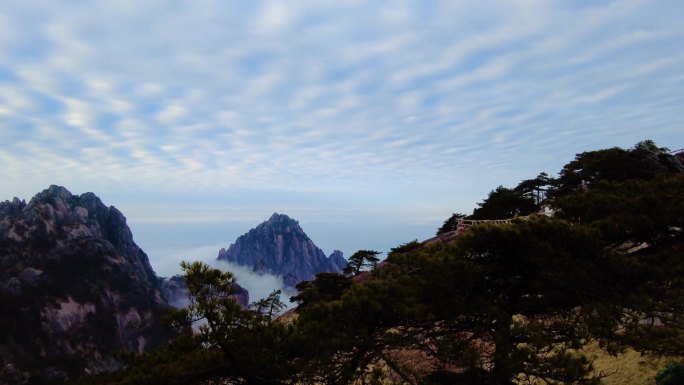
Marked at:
<point>279,246</point>
<point>74,287</point>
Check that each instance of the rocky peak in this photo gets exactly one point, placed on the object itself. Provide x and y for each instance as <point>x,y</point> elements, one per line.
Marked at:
<point>280,246</point>
<point>73,284</point>
<point>281,223</point>
<point>276,217</point>
<point>56,218</point>
<point>11,207</point>
<point>337,258</point>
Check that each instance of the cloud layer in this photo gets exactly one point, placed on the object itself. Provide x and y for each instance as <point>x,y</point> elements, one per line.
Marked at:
<point>167,262</point>
<point>405,107</point>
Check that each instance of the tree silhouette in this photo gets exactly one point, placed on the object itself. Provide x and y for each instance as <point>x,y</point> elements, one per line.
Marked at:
<point>360,260</point>
<point>451,223</point>
<point>270,306</point>
<point>503,203</point>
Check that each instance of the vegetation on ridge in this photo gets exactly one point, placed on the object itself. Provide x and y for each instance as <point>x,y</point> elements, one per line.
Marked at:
<point>516,303</point>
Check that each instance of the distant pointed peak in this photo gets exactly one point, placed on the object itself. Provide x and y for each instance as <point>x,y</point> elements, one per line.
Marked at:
<point>337,258</point>
<point>279,221</point>
<point>280,246</point>
<point>281,218</point>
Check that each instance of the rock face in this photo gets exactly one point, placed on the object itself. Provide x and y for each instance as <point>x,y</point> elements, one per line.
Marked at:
<point>279,246</point>
<point>74,289</point>
<point>174,291</point>
<point>241,296</point>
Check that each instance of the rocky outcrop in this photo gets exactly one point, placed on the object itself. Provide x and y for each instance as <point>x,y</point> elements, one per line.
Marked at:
<point>337,260</point>
<point>279,246</point>
<point>241,296</point>
<point>74,288</point>
<point>174,291</point>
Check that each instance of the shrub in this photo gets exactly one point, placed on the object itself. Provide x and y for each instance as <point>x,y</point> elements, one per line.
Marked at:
<point>672,374</point>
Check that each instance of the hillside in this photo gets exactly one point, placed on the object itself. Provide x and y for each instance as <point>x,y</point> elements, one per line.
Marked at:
<point>517,298</point>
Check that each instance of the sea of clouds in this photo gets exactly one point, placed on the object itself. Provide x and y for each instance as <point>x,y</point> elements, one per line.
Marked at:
<point>258,285</point>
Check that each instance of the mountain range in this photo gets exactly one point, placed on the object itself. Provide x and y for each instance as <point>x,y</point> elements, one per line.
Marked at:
<point>76,289</point>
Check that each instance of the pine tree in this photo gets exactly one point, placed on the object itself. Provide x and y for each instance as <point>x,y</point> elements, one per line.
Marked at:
<point>360,260</point>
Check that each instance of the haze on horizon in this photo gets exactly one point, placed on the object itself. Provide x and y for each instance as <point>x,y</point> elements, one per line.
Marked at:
<point>370,122</point>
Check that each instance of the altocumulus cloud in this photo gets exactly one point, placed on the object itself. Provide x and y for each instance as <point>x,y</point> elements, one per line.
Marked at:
<point>419,100</point>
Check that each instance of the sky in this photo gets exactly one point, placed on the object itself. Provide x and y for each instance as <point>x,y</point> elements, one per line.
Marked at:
<point>370,122</point>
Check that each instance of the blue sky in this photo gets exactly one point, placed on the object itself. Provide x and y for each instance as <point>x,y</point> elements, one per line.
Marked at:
<point>367,121</point>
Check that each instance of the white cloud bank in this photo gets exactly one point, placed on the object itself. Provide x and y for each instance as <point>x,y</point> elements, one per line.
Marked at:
<point>258,285</point>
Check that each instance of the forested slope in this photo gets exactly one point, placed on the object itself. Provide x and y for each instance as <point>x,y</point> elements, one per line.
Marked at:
<point>530,301</point>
